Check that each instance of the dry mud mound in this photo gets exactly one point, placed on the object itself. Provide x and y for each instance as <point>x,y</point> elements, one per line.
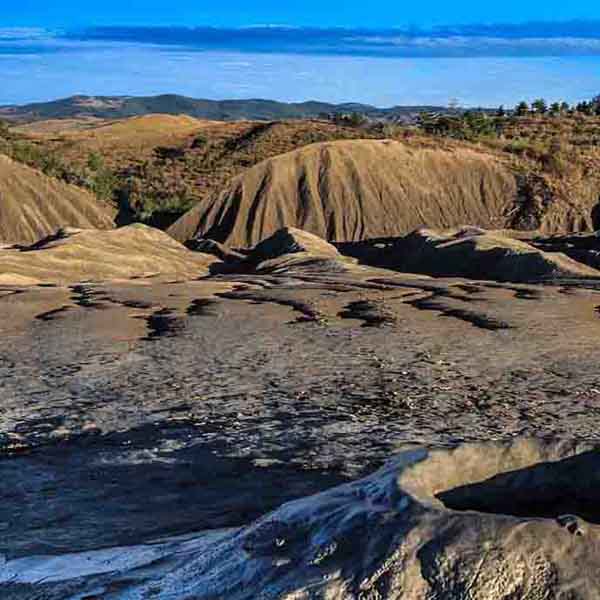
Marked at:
<point>470,252</point>
<point>33,206</point>
<point>486,522</point>
<point>78,255</point>
<point>291,241</point>
<point>285,252</point>
<point>584,248</point>
<point>354,190</point>
<point>291,250</point>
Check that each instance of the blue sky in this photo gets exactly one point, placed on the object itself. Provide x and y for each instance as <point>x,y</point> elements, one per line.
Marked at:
<point>390,52</point>
<point>349,13</point>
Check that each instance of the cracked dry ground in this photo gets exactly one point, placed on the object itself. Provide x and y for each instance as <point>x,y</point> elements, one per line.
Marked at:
<point>135,410</point>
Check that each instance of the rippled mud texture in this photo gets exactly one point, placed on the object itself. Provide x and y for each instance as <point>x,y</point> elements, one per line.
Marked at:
<point>183,406</point>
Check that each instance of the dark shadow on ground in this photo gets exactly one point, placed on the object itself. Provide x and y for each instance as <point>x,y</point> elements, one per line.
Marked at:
<point>547,490</point>
<point>127,488</point>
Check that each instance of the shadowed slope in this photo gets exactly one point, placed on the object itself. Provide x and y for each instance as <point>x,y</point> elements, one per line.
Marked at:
<point>33,205</point>
<point>292,241</point>
<point>355,190</point>
<point>477,254</point>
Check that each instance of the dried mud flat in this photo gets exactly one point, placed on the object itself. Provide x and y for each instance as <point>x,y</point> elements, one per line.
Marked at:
<point>135,410</point>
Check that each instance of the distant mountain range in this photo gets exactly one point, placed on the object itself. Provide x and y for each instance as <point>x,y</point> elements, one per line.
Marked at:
<point>114,107</point>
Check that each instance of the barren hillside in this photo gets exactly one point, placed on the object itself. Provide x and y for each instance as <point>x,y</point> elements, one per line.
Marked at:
<point>159,166</point>
<point>355,190</point>
<point>33,205</point>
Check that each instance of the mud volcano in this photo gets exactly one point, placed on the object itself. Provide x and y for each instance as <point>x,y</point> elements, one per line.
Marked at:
<point>486,522</point>
<point>481,522</point>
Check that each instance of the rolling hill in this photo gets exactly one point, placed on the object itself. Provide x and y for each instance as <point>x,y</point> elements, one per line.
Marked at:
<point>120,142</point>
<point>355,190</point>
<point>165,163</point>
<point>115,107</point>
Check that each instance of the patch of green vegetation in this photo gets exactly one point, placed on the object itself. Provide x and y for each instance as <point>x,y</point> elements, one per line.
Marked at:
<point>469,126</point>
<point>95,162</point>
<point>137,198</point>
<point>557,140</point>
<point>147,200</point>
<point>353,119</point>
<point>4,129</point>
<point>39,158</point>
<point>93,176</point>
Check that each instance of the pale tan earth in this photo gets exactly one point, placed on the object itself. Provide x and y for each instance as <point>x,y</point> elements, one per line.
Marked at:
<point>75,255</point>
<point>355,190</point>
<point>33,205</point>
<point>135,133</point>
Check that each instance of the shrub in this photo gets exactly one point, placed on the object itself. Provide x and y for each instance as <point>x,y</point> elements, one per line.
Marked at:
<point>104,184</point>
<point>4,129</point>
<point>95,161</point>
<point>200,141</point>
<point>556,160</point>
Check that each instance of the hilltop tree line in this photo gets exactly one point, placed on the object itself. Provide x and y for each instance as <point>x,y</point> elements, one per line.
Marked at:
<point>474,124</point>
<point>556,109</point>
